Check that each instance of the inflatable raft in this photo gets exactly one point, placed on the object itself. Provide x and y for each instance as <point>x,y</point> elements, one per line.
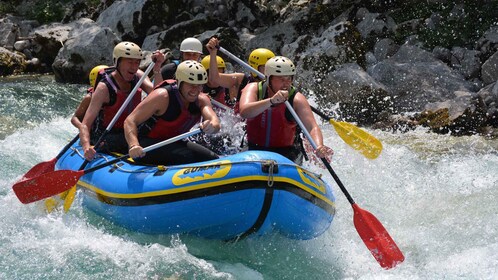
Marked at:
<point>253,192</point>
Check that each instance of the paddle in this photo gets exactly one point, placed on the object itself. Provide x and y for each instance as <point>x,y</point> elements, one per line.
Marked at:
<point>69,197</point>
<point>220,105</point>
<point>47,166</point>
<point>121,109</point>
<point>354,136</point>
<point>370,229</point>
<point>55,182</point>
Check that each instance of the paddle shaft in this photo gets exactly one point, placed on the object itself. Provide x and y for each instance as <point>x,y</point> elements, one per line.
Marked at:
<point>313,144</point>
<point>241,62</point>
<point>121,109</point>
<point>320,113</point>
<point>262,76</point>
<point>220,105</point>
<point>64,150</point>
<point>146,149</point>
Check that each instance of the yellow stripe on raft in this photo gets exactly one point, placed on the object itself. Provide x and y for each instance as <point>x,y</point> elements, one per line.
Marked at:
<point>206,186</point>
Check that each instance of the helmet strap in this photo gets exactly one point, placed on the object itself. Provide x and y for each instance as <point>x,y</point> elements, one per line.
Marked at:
<point>269,85</point>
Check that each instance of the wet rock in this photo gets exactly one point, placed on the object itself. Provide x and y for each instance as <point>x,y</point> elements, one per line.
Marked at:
<point>414,78</point>
<point>467,62</point>
<point>489,70</point>
<point>80,54</point>
<point>463,115</point>
<point>11,63</point>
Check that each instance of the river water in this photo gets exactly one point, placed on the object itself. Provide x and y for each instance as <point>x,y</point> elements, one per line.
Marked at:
<point>435,194</point>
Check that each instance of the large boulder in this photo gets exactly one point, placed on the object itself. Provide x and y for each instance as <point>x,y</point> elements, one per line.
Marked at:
<point>317,56</point>
<point>465,114</point>
<point>489,95</point>
<point>91,47</point>
<point>489,71</point>
<point>359,97</point>
<point>9,31</point>
<point>173,36</point>
<point>414,78</point>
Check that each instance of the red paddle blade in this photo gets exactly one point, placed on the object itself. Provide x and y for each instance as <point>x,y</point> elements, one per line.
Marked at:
<point>39,169</point>
<point>46,185</point>
<point>376,238</point>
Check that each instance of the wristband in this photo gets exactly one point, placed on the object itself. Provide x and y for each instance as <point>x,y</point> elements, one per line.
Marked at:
<point>271,102</point>
<point>131,147</point>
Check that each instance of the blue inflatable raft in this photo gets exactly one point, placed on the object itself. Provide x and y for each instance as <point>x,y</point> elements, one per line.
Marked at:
<point>253,192</point>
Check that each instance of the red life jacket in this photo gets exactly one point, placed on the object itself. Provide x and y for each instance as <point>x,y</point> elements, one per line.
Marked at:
<point>248,78</point>
<point>117,98</point>
<point>176,120</point>
<point>219,94</point>
<point>275,127</point>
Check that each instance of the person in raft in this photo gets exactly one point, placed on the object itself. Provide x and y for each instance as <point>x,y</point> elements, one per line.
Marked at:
<point>270,125</point>
<point>190,49</point>
<point>108,96</point>
<point>80,111</point>
<point>235,82</point>
<point>223,95</point>
<point>173,108</point>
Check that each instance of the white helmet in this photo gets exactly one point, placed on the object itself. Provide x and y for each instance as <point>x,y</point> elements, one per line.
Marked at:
<point>191,45</point>
<point>126,49</point>
<point>192,72</point>
<point>279,66</point>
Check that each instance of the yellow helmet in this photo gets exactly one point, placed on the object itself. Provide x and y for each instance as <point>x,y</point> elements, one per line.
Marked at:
<point>219,61</point>
<point>126,49</point>
<point>259,57</point>
<point>192,72</point>
<point>93,74</point>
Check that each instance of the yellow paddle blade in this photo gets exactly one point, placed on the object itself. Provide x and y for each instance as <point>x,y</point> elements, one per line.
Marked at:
<point>358,139</point>
<point>51,204</point>
<point>68,200</point>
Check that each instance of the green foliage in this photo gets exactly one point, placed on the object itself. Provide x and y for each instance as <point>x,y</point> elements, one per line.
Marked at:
<point>461,23</point>
<point>48,11</point>
<point>43,11</point>
<point>7,7</point>
<point>93,3</point>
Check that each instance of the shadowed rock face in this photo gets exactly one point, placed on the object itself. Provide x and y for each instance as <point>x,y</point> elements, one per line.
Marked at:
<point>372,61</point>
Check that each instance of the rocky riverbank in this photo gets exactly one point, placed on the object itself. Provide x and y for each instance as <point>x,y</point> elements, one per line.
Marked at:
<point>381,64</point>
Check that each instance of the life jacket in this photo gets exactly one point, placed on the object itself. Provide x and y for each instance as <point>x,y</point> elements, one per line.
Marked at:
<point>99,77</point>
<point>248,78</point>
<point>219,94</point>
<point>176,120</point>
<point>275,127</point>
<point>117,98</point>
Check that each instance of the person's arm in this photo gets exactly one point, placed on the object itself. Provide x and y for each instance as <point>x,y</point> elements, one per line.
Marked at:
<point>147,85</point>
<point>210,121</point>
<point>79,114</point>
<point>250,106</point>
<point>303,110</point>
<point>99,98</point>
<point>231,81</point>
<point>155,103</point>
